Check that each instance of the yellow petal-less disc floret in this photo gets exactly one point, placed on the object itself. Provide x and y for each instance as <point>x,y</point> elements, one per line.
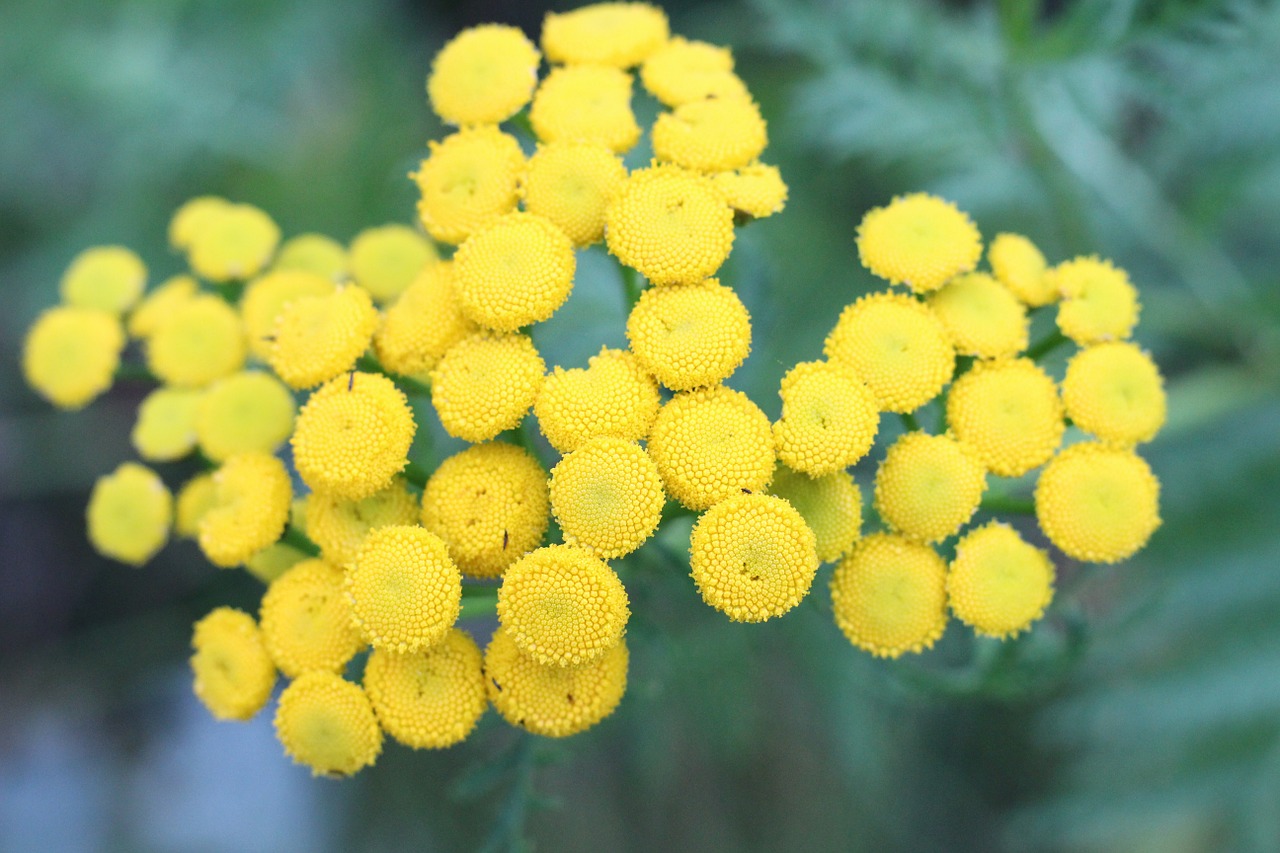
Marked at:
<point>1020,266</point>
<point>194,217</point>
<point>306,620</point>
<point>243,412</point>
<point>607,496</point>
<point>166,425</point>
<point>711,135</point>
<point>235,242</point>
<point>196,497</point>
<point>897,346</point>
<point>889,596</point>
<point>155,306</point>
<point>421,326</point>
<point>710,444</point>
<point>831,505</point>
<point>470,179</point>
<point>129,514</point>
<point>1098,504</point>
<point>829,418</point>
<point>552,701</point>
<point>233,672</point>
<point>612,396</point>
<point>489,504</point>
<point>353,436</point>
<point>999,584</point>
<point>104,278</point>
<point>1008,413</point>
<point>405,590</point>
<point>928,486</point>
<point>484,75</point>
<point>572,184</point>
<point>339,526</point>
<point>689,336</point>
<point>1098,302</point>
<point>265,299</point>
<point>70,355</point>
<point>617,34</point>
<point>252,494</point>
<point>327,723</point>
<point>585,103</point>
<point>982,316</point>
<point>682,71</point>
<point>918,240</point>
<point>485,384</point>
<point>384,260</point>
<point>202,340</point>
<point>317,254</point>
<point>431,699</point>
<point>1115,391</point>
<point>755,191</point>
<point>562,606</point>
<point>320,337</point>
<point>514,272</point>
<point>753,557</point>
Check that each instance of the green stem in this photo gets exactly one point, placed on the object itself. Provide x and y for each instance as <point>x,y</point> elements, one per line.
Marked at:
<point>134,372</point>
<point>631,285</point>
<point>1006,503</point>
<point>1046,345</point>
<point>415,474</point>
<point>909,422</point>
<point>411,387</point>
<point>672,509</point>
<point>520,121</point>
<point>299,541</point>
<point>229,290</point>
<point>478,601</point>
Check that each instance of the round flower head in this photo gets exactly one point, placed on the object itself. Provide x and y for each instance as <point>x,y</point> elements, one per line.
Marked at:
<point>755,191</point>
<point>233,672</point>
<point>607,496</point>
<point>420,327</point>
<point>571,184</point>
<point>129,514</point>
<point>314,253</point>
<point>484,75</point>
<point>202,340</point>
<point>682,71</point>
<point>1020,266</point>
<point>1098,302</point>
<point>514,272</point>
<point>70,355</point>
<point>470,179</point>
<point>1115,391</point>
<point>918,240</point>
<point>319,337</point>
<point>489,504</point>
<point>273,561</point>
<point>431,699</point>
<point>328,724</point>
<point>612,396</point>
<point>670,225</point>
<point>587,103</point>
<point>753,557</point>
<point>386,259</point>
<point>889,596</point>
<point>353,436</point>
<point>897,346</point>
<point>831,505</point>
<point>339,526</point>
<point>193,218</point>
<point>104,278</point>
<point>712,135</point>
<point>982,316</point>
<point>710,444</point>
<point>691,335</point>
<point>552,701</point>
<point>252,493</point>
<point>928,486</point>
<point>829,418</point>
<point>148,314</point>
<point>166,425</point>
<point>265,299</point>
<point>562,606</point>
<point>244,412</point>
<point>1098,504</point>
<point>485,384</point>
<point>998,584</point>
<point>235,242</point>
<point>1008,414</point>
<point>617,34</point>
<point>306,620</point>
<point>195,498</point>
<point>405,591</point>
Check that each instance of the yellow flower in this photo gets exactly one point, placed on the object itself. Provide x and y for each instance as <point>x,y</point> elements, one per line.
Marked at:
<point>420,327</point>
<point>339,526</point>
<point>166,425</point>
<point>104,278</point>
<point>70,355</point>
<point>585,103</point>
<point>306,620</point>
<point>384,260</point>
<point>194,217</point>
<point>320,337</point>
<point>432,699</point>
<point>682,71</point>
<point>484,75</point>
<point>890,596</point>
<point>470,179</point>
<point>998,584</point>
<point>202,340</point>
<point>252,493</point>
<point>515,271</point>
<point>607,496</point>
<point>243,412</point>
<point>233,673</point>
<point>265,299</point>
<point>756,190</point>
<point>233,242</point>
<point>829,418</point>
<point>1098,302</point>
<point>1098,504</point>
<point>712,135</point>
<point>617,34</point>
<point>612,396</point>
<point>489,504</point>
<point>1008,413</point>
<point>710,444</point>
<point>982,316</point>
<point>928,486</point>
<point>918,240</point>
<point>328,724</point>
<point>1115,391</point>
<point>897,346</point>
<point>196,497</point>
<point>571,184</point>
<point>129,514</point>
<point>831,505</point>
<point>405,591</point>
<point>691,335</point>
<point>148,314</point>
<point>485,384</point>
<point>1020,266</point>
<point>314,253</point>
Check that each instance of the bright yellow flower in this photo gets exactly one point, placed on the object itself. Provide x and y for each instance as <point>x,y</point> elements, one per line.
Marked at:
<point>613,396</point>
<point>202,340</point>
<point>252,494</point>
<point>339,526</point>
<point>313,253</point>
<point>982,316</point>
<point>405,590</point>
<point>682,71</point>
<point>70,355</point>
<point>1098,302</point>
<point>195,498</point>
<point>484,75</point>
<point>572,184</point>
<point>928,486</point>
<point>831,505</point>
<point>470,179</point>
<point>1008,413</point>
<point>320,337</point>
<point>607,496</point>
<point>890,596</point>
<point>420,327</point>
<point>328,724</point>
<point>306,620</point>
<point>514,272</point>
<point>235,241</point>
<point>148,314</point>
<point>829,418</point>
<point>166,425</point>
<point>918,240</point>
<point>244,412</point>
<point>233,672</point>
<point>617,34</point>
<point>756,190</point>
<point>998,583</point>
<point>386,259</point>
<point>1020,266</point>
<point>1115,391</point>
<point>265,299</point>
<point>690,336</point>
<point>712,135</point>
<point>431,699</point>
<point>104,278</point>
<point>194,217</point>
<point>129,514</point>
<point>585,103</point>
<point>485,384</point>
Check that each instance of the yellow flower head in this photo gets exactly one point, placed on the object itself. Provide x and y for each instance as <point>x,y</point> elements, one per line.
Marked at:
<point>710,444</point>
<point>470,179</point>
<point>328,724</point>
<point>998,584</point>
<point>1020,266</point>
<point>607,496</point>
<point>244,412</point>
<point>129,514</point>
<point>489,504</point>
<point>1115,391</point>
<point>405,591</point>
<point>386,259</point>
<point>1098,504</point>
<point>233,672</point>
<point>918,240</point>
<point>890,596</point>
<point>193,218</point>
<point>273,561</point>
<point>831,505</point>
<point>671,225</point>
<point>552,701</point>
<point>320,337</point>
<point>691,335</point>
<point>420,327</point>
<point>233,242</point>
<point>982,316</point>
<point>252,494</point>
<point>562,606</point>
<point>166,425</point>
<point>339,526</point>
<point>1008,413</point>
<point>431,699</point>
<point>148,314</point>
<point>353,436</point>
<point>711,135</point>
<point>515,271</point>
<point>104,278</point>
<point>484,75</point>
<point>1098,302</point>
<point>897,346</point>
<point>314,253</point>
<point>829,418</point>
<point>572,184</point>
<point>612,396</point>
<point>617,34</point>
<point>306,620</point>
<point>928,486</point>
<point>196,497</point>
<point>70,355</point>
<point>265,299</point>
<point>753,557</point>
<point>682,71</point>
<point>202,340</point>
<point>485,384</point>
<point>756,190</point>
<point>585,103</point>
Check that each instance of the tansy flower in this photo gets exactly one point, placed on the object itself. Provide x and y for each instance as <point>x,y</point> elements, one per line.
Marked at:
<point>1008,413</point>
<point>339,526</point>
<point>485,384</point>
<point>612,396</point>
<point>265,299</point>
<point>682,70</point>
<point>711,135</point>
<point>129,514</point>
<point>430,699</point>
<point>405,591</point>
<point>889,596</point>
<point>607,496</point>
<point>384,260</point>
<point>202,340</point>
<point>166,425</point>
<point>998,584</point>
<point>928,486</point>
<point>1098,504</point>
<point>618,34</point>
<point>470,179</point>
<point>306,620</point>
<point>831,505</point>
<point>251,508</point>
<point>195,498</point>
<point>691,335</point>
<point>244,412</point>
<point>313,253</point>
<point>327,724</point>
<point>319,337</point>
<point>756,190</point>
<point>1098,302</point>
<point>515,271</point>
<point>1020,266</point>
<point>588,103</point>
<point>232,242</point>
<point>829,418</point>
<point>194,217</point>
<point>918,240</point>
<point>233,673</point>
<point>571,184</point>
<point>155,306</point>
<point>484,75</point>
<point>982,316</point>
<point>753,557</point>
<point>104,278</point>
<point>420,327</point>
<point>70,355</point>
<point>1115,391</point>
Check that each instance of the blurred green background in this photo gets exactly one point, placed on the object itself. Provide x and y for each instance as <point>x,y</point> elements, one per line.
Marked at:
<point>1143,714</point>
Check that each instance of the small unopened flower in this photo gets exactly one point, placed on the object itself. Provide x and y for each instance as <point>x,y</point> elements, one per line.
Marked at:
<point>889,596</point>
<point>327,723</point>
<point>233,672</point>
